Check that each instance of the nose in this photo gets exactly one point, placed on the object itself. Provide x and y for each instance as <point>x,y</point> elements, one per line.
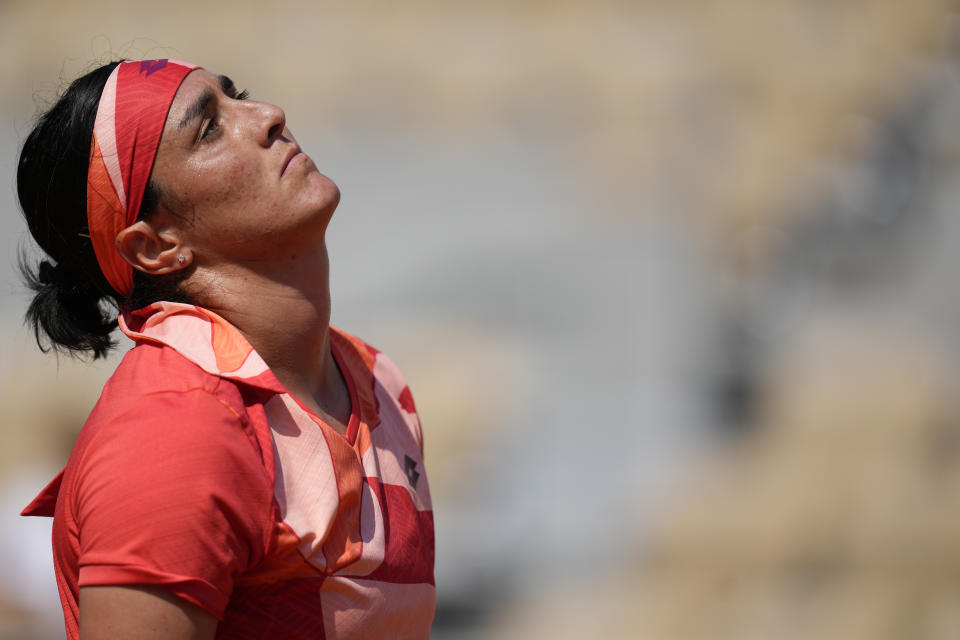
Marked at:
<point>273,121</point>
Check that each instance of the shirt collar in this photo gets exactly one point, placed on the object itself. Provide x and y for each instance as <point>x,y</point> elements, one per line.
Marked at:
<point>216,346</point>
<point>203,338</point>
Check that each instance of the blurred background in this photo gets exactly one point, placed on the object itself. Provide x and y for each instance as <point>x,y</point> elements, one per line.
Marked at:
<point>671,282</point>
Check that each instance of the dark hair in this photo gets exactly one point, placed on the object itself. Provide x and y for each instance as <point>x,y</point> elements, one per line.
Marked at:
<point>74,307</point>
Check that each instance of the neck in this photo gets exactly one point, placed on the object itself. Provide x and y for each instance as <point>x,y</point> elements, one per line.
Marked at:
<point>283,310</point>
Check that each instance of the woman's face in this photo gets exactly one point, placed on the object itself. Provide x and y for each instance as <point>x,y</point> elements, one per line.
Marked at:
<point>235,178</point>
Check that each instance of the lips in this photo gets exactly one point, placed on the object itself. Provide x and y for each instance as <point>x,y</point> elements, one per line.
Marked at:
<point>291,155</point>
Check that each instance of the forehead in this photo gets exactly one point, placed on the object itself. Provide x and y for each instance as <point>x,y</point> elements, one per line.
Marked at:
<point>197,79</point>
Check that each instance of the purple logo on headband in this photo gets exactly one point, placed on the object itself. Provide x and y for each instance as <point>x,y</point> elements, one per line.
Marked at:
<point>152,66</point>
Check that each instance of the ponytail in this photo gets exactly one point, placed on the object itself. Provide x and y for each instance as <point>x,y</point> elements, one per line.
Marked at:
<point>67,310</point>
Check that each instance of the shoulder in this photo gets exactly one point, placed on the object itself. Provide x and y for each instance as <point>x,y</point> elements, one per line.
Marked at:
<point>168,451</point>
<point>151,368</point>
<point>379,364</point>
<point>394,400</point>
<point>159,410</point>
<point>385,374</point>
<point>154,380</point>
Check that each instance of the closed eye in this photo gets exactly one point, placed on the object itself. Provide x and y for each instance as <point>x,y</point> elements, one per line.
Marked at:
<point>208,127</point>
<point>211,125</point>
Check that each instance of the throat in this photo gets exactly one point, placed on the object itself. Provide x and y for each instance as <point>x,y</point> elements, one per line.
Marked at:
<point>330,400</point>
<point>336,420</point>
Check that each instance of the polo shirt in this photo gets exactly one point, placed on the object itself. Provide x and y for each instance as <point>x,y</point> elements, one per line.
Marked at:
<point>199,473</point>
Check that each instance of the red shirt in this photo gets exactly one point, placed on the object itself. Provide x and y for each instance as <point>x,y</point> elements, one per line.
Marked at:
<point>199,473</point>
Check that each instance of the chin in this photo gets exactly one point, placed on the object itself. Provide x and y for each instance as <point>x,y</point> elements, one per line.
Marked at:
<point>326,198</point>
<point>334,194</point>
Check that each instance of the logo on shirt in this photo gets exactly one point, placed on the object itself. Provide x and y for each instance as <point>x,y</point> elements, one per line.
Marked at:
<point>410,468</point>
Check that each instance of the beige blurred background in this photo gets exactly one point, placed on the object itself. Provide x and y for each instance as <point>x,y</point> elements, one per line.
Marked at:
<point>672,283</point>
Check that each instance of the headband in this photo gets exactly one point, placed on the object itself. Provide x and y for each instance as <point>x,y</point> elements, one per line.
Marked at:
<point>130,117</point>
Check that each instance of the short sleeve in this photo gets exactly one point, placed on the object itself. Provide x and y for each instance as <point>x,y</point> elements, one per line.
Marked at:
<point>173,493</point>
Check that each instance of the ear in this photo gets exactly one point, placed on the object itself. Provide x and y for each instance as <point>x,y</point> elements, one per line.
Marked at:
<point>151,250</point>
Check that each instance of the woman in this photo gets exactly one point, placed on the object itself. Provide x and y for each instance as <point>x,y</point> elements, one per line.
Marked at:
<point>249,471</point>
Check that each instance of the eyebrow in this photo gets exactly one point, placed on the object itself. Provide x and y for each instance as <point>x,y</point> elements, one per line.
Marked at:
<point>198,107</point>
<point>203,100</point>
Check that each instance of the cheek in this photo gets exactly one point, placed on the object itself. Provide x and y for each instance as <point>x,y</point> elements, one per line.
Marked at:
<point>229,183</point>
<point>234,187</point>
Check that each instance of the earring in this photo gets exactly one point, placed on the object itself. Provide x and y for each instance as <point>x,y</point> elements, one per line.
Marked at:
<point>180,258</point>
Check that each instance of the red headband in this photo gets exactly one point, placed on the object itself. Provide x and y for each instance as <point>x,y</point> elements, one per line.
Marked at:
<point>130,117</point>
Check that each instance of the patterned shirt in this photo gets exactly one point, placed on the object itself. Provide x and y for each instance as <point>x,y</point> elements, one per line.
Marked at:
<point>199,473</point>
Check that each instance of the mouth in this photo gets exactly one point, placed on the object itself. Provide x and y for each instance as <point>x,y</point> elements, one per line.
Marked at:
<point>292,156</point>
